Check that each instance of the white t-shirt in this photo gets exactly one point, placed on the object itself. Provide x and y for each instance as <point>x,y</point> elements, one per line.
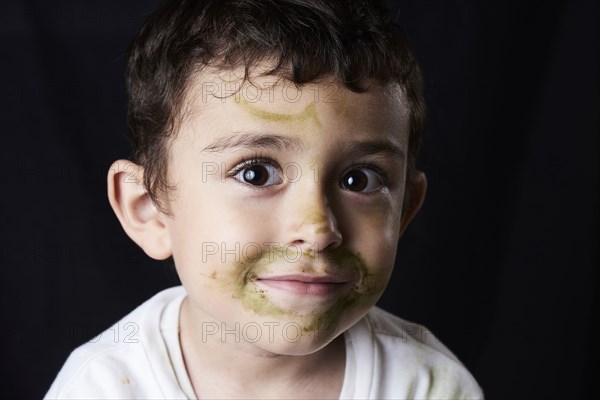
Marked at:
<point>140,357</point>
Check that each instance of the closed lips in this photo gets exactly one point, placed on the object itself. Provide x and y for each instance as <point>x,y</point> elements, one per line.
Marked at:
<point>304,284</point>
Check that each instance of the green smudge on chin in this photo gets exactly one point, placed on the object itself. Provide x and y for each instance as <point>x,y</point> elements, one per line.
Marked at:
<point>323,323</point>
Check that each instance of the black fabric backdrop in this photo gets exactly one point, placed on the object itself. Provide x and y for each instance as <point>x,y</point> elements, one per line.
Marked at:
<point>501,263</point>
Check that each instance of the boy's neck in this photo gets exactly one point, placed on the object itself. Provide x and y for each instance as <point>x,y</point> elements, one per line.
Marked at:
<point>219,369</point>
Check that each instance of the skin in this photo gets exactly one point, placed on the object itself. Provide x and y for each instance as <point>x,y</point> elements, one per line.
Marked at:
<point>288,118</point>
<point>324,321</point>
<point>308,113</point>
<point>312,219</point>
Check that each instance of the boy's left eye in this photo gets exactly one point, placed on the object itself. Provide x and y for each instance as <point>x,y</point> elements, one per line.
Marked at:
<point>259,175</point>
<point>363,180</point>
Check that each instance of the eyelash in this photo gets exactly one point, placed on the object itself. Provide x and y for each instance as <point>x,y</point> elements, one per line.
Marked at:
<point>262,159</point>
<point>246,162</point>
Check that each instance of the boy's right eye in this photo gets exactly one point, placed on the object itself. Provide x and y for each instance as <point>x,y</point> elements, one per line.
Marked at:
<point>260,175</point>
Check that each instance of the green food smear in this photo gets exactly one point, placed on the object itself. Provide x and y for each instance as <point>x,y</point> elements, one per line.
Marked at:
<point>363,291</point>
<point>309,112</point>
<point>255,299</point>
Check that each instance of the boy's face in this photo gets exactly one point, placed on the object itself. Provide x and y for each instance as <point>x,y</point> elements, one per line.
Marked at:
<point>286,210</point>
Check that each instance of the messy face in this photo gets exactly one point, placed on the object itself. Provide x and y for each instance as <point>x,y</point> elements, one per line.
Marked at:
<point>286,209</point>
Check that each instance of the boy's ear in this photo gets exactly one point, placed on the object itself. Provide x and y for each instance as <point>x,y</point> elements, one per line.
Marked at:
<point>414,203</point>
<point>138,215</point>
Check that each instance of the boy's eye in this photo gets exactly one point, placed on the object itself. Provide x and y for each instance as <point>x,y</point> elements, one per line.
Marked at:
<point>362,180</point>
<point>259,175</point>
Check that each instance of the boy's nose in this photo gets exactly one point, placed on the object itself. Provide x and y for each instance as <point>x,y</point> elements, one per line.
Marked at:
<point>312,223</point>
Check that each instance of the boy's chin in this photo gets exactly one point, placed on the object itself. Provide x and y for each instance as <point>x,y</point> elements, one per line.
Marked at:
<point>309,343</point>
<point>299,336</point>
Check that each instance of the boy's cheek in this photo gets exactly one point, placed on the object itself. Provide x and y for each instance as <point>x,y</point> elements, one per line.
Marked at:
<point>374,233</point>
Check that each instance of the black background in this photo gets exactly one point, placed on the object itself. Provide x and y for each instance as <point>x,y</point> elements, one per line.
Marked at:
<point>501,263</point>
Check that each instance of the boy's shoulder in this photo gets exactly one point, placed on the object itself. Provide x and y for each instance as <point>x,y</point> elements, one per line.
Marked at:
<point>402,359</point>
<point>128,360</point>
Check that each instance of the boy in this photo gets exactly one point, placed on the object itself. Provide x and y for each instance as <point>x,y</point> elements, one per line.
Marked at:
<point>276,143</point>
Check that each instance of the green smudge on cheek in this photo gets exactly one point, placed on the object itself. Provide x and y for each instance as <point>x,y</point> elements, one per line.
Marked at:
<point>243,288</point>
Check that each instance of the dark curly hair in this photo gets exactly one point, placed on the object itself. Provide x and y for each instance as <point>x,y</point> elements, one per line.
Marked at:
<point>348,40</point>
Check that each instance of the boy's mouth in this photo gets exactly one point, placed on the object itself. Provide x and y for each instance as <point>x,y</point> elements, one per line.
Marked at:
<point>303,284</point>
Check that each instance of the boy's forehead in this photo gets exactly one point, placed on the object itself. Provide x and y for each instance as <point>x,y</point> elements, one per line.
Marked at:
<point>275,99</point>
<point>324,121</point>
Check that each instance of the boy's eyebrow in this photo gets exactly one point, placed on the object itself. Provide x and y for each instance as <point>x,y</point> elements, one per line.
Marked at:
<point>283,143</point>
<point>376,147</point>
<point>254,140</point>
